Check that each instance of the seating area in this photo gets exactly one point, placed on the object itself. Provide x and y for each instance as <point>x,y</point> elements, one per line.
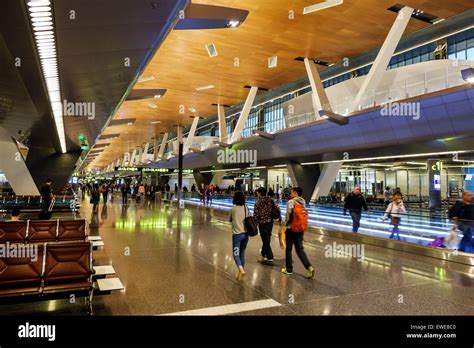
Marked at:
<point>35,231</point>
<point>52,259</point>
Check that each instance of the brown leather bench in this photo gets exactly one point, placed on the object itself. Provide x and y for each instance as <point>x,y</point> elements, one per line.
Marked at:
<point>13,232</point>
<point>60,268</point>
<point>39,231</point>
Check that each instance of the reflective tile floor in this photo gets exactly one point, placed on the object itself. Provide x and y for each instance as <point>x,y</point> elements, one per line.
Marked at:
<point>172,261</point>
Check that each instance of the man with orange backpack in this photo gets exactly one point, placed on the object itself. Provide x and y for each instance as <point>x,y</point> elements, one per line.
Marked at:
<point>296,221</point>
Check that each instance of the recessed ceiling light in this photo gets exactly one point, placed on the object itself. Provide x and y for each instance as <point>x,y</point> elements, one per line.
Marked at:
<point>146,79</point>
<point>157,96</point>
<point>233,24</point>
<point>155,122</point>
<point>203,88</point>
<point>129,123</point>
<point>273,62</point>
<point>212,50</point>
<point>152,105</point>
<point>192,109</point>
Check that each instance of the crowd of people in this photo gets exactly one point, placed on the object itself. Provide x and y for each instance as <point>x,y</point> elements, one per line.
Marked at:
<point>266,211</point>
<point>461,214</point>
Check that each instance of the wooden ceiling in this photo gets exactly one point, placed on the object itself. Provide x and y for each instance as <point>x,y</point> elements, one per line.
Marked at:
<point>182,63</point>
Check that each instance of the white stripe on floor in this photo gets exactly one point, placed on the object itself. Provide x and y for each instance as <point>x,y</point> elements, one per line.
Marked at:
<point>231,309</point>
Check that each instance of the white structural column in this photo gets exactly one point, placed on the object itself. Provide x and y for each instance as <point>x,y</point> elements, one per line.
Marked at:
<point>326,179</point>
<point>179,134</point>
<point>126,159</point>
<point>144,156</point>
<point>192,132</point>
<point>131,162</point>
<point>320,98</point>
<point>244,115</point>
<point>139,156</point>
<point>216,179</point>
<point>155,150</point>
<point>161,152</point>
<point>380,64</point>
<point>14,167</point>
<point>222,123</point>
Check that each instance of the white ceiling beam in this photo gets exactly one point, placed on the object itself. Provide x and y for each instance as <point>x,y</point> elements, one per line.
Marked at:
<point>191,134</point>
<point>320,98</point>
<point>161,152</point>
<point>244,115</point>
<point>132,158</point>
<point>386,52</point>
<point>144,156</point>
<point>222,123</point>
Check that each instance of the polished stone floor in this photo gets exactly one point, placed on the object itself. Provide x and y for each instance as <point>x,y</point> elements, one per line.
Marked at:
<point>175,260</point>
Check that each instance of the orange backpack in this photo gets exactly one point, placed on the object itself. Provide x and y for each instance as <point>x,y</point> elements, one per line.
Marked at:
<point>299,222</point>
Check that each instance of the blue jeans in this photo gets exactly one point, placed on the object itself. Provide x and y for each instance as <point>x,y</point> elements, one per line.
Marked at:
<point>395,229</point>
<point>356,216</point>
<point>239,244</point>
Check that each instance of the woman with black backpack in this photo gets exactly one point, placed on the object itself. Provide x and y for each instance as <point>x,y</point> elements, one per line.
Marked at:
<point>265,211</point>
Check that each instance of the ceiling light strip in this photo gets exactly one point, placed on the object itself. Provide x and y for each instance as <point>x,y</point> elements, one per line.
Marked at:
<point>42,24</point>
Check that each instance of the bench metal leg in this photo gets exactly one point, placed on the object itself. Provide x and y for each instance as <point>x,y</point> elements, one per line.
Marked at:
<point>89,302</point>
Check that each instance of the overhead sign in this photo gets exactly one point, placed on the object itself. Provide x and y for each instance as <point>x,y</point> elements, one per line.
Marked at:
<point>151,170</point>
<point>128,169</point>
<point>155,170</point>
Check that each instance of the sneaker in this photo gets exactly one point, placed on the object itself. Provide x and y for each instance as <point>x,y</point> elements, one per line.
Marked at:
<point>283,270</point>
<point>310,272</point>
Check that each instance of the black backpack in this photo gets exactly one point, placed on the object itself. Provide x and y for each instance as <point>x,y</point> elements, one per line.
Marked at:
<point>276,213</point>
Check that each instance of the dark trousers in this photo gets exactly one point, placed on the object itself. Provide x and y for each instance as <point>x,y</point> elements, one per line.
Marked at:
<point>104,196</point>
<point>466,245</point>
<point>46,203</point>
<point>124,198</point>
<point>356,216</point>
<point>296,239</point>
<point>266,234</point>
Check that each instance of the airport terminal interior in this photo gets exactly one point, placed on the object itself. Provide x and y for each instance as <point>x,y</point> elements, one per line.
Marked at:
<point>236,157</point>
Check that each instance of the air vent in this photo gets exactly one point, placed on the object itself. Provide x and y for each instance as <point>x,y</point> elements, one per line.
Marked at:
<point>273,62</point>
<point>212,50</point>
<point>146,79</point>
<point>122,122</point>
<point>97,146</point>
<point>203,88</point>
<point>321,6</point>
<point>108,136</point>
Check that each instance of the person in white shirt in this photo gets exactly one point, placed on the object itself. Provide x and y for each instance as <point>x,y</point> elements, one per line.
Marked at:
<point>394,211</point>
<point>240,238</point>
